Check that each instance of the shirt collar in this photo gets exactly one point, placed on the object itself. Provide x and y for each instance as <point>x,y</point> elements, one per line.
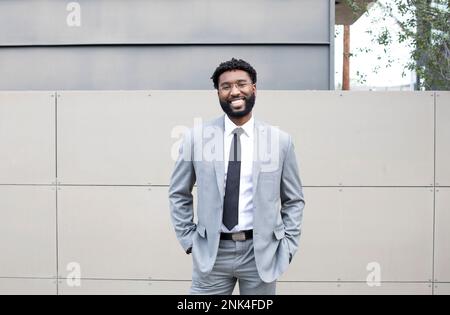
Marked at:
<point>248,126</point>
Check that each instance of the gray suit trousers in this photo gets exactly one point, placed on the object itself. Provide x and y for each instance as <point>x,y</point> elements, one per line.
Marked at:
<point>235,262</point>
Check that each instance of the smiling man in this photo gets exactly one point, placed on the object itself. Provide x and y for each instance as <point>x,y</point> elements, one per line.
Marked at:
<point>249,209</point>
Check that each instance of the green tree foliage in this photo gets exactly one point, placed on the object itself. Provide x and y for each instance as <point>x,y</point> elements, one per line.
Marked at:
<point>424,25</point>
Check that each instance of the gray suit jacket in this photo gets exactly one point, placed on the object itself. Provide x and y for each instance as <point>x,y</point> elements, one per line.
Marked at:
<point>277,197</point>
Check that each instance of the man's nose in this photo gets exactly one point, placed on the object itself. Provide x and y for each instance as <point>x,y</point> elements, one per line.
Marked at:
<point>235,90</point>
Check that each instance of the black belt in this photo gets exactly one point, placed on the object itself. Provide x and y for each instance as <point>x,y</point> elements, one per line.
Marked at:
<point>238,236</point>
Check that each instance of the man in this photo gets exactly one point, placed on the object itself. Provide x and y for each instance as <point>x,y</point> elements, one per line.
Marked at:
<point>250,200</point>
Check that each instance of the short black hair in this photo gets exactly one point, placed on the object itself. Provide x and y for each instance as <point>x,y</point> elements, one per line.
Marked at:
<point>233,64</point>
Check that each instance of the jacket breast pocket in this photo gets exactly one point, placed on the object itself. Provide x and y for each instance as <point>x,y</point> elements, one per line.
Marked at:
<point>269,186</point>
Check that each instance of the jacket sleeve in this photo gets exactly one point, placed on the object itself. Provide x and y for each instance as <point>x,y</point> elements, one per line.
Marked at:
<point>180,194</point>
<point>292,200</point>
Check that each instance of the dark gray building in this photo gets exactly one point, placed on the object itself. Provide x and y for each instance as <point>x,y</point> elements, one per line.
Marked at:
<point>160,44</point>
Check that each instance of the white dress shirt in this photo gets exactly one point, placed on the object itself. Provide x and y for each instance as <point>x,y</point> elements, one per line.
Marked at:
<point>246,184</point>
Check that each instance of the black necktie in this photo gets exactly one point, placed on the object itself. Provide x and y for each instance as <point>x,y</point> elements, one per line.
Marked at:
<point>231,199</point>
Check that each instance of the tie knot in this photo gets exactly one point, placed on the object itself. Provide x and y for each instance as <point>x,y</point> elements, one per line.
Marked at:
<point>238,131</point>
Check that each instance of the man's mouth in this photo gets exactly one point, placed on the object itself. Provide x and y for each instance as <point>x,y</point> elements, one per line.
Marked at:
<point>238,102</point>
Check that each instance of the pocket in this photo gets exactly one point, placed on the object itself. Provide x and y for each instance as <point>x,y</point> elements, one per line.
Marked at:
<point>279,232</point>
<point>201,230</point>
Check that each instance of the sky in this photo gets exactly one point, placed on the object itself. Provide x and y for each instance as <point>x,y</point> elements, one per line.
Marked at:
<point>366,62</point>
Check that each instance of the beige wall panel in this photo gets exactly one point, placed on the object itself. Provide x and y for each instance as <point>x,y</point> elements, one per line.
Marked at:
<point>27,137</point>
<point>302,288</point>
<point>27,287</point>
<point>357,139</point>
<point>123,287</point>
<point>119,233</point>
<point>442,289</point>
<point>27,231</point>
<point>125,138</point>
<point>442,237</point>
<point>442,138</point>
<point>346,229</point>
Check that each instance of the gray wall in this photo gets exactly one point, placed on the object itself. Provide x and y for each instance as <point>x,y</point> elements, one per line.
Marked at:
<point>84,178</point>
<point>164,44</point>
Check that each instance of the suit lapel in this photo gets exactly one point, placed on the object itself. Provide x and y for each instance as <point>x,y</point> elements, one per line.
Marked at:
<point>219,166</point>
<point>256,161</point>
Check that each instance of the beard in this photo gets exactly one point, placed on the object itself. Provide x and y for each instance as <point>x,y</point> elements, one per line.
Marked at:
<point>248,107</point>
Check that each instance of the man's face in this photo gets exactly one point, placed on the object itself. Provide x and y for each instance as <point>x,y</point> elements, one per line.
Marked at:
<point>237,93</point>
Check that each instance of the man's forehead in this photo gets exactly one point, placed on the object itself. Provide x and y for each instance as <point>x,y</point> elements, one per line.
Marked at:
<point>233,75</point>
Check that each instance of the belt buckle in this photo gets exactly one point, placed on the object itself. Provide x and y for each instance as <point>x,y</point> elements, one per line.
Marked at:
<point>240,236</point>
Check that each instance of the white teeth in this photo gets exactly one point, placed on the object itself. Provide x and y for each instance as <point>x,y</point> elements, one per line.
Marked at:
<point>237,102</point>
